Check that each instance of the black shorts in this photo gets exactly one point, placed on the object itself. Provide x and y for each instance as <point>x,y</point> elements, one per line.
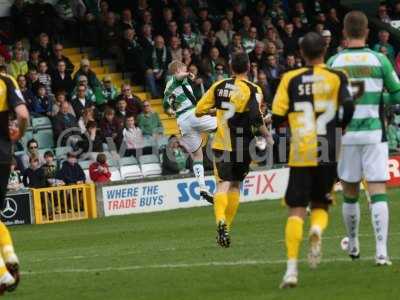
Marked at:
<point>310,184</point>
<point>231,166</point>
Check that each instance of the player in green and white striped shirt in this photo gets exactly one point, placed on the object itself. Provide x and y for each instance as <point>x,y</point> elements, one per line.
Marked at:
<point>179,101</point>
<point>364,152</point>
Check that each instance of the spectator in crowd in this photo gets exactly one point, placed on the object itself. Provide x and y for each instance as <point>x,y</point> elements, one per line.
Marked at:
<point>258,55</point>
<point>220,73</point>
<point>91,142</point>
<point>134,104</point>
<point>225,34</point>
<point>89,94</point>
<point>289,39</point>
<point>343,44</point>
<point>250,41</point>
<point>85,70</point>
<point>109,93</point>
<point>42,103</point>
<point>334,25</point>
<point>299,29</point>
<point>33,80</point>
<point>71,172</point>
<point>133,56</point>
<point>63,120</point>
<point>44,77</point>
<point>14,180</point>
<point>262,81</point>
<point>58,56</point>
<point>209,63</point>
<point>175,48</point>
<point>301,12</point>
<point>61,79</point>
<point>197,83</point>
<point>149,121</point>
<point>80,101</point>
<point>18,66</point>
<point>110,38</point>
<point>50,169</point>
<point>61,98</point>
<point>132,137</point>
<point>32,147</point>
<point>27,93</point>
<point>290,62</point>
<point>44,47</point>
<point>33,176</point>
<point>236,45</point>
<point>86,117</point>
<point>271,36</point>
<point>99,171</point>
<point>191,39</point>
<point>245,27</point>
<point>157,67</point>
<point>253,74</point>
<point>210,42</point>
<point>120,111</point>
<point>126,22</point>
<point>34,60</point>
<point>187,57</point>
<point>331,51</point>
<point>383,14</point>
<point>205,30</point>
<point>110,126</point>
<point>146,39</point>
<point>273,71</point>
<point>174,159</point>
<point>384,36</point>
<point>172,31</point>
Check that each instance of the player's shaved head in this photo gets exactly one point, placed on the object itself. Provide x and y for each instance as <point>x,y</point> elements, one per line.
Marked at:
<point>313,46</point>
<point>355,25</point>
<point>240,63</point>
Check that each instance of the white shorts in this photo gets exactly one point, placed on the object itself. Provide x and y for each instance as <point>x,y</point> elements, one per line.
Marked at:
<point>364,161</point>
<point>191,128</point>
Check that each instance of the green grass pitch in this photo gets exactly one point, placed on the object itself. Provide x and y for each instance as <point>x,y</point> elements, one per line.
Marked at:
<point>173,255</point>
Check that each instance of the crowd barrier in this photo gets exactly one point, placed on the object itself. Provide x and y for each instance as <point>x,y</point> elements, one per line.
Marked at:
<point>64,203</point>
<point>87,201</point>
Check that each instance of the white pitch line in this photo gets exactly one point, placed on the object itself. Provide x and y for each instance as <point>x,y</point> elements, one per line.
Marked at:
<point>191,265</point>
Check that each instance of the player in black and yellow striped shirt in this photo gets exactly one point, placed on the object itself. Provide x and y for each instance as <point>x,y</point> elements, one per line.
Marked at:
<point>237,104</point>
<point>310,99</point>
<point>11,103</point>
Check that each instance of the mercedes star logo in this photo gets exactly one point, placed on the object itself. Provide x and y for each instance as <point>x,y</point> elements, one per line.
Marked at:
<point>10,208</point>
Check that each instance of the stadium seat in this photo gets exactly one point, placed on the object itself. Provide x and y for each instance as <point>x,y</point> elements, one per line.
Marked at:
<point>85,164</point>
<point>87,175</point>
<point>162,142</point>
<point>131,172</point>
<point>115,174</point>
<point>150,165</point>
<point>19,153</point>
<point>40,123</point>
<point>44,138</point>
<point>61,152</point>
<point>129,160</point>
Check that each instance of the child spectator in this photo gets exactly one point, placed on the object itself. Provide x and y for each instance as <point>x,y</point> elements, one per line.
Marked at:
<point>50,169</point>
<point>99,170</point>
<point>33,176</point>
<point>132,137</point>
<point>14,180</point>
<point>42,104</point>
<point>45,78</point>
<point>71,172</point>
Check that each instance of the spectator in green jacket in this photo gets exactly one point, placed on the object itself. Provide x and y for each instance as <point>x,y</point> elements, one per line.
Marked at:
<point>108,93</point>
<point>149,121</point>
<point>384,36</point>
<point>18,66</point>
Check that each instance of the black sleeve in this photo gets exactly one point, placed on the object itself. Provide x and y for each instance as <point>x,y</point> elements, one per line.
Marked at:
<point>346,101</point>
<point>14,95</point>
<point>277,121</point>
<point>255,116</point>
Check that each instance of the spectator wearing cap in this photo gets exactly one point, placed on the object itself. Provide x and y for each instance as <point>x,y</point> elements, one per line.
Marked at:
<point>61,79</point>
<point>250,41</point>
<point>63,120</point>
<point>45,78</point>
<point>109,93</point>
<point>26,92</point>
<point>71,172</point>
<point>85,70</point>
<point>157,63</point>
<point>18,66</point>
<point>134,104</point>
<point>99,171</point>
<point>149,121</point>
<point>57,56</point>
<point>330,50</point>
<point>384,37</point>
<point>42,103</point>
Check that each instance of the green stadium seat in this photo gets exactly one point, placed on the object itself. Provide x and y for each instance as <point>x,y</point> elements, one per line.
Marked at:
<point>44,138</point>
<point>127,161</point>
<point>62,151</point>
<point>40,123</point>
<point>85,164</point>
